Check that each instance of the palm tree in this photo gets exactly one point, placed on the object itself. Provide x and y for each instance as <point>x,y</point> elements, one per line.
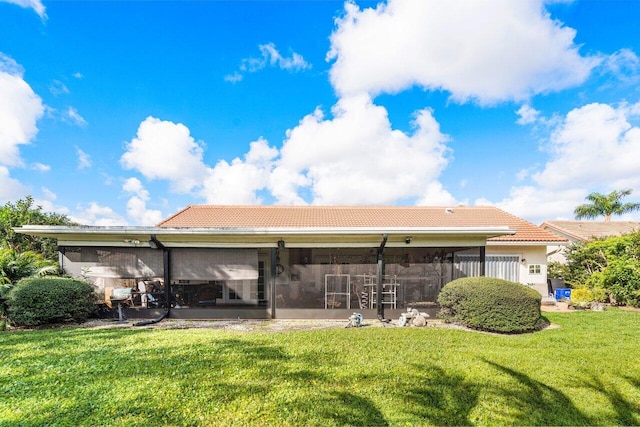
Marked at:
<point>606,205</point>
<point>18,265</point>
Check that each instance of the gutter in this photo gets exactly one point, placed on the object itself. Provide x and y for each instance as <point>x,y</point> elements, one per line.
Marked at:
<point>53,231</point>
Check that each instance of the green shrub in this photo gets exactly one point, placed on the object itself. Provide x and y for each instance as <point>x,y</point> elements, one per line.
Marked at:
<point>38,301</point>
<point>584,296</point>
<point>611,263</point>
<point>491,304</point>
<point>556,270</point>
<point>4,290</point>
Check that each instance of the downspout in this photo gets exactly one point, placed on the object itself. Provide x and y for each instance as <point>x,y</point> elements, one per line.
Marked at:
<point>61,252</point>
<point>483,259</point>
<point>272,281</point>
<point>166,262</point>
<point>379,287</point>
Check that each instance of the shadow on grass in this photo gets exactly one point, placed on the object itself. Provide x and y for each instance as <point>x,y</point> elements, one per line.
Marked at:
<point>438,397</point>
<point>334,408</point>
<point>633,381</point>
<point>134,388</point>
<point>532,402</point>
<point>627,413</point>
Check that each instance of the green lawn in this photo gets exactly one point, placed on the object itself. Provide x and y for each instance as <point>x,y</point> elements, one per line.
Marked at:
<point>587,372</point>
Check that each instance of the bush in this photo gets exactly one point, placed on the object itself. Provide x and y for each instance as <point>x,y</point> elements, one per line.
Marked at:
<point>38,301</point>
<point>491,304</point>
<point>4,290</point>
<point>583,297</point>
<point>611,263</point>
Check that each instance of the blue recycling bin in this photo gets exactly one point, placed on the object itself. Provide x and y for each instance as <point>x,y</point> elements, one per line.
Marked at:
<point>563,293</point>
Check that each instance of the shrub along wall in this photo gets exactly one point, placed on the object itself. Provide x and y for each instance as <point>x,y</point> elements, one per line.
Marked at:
<point>37,301</point>
<point>491,304</point>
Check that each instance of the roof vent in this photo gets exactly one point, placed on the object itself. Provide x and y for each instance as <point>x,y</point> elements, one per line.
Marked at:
<point>448,210</point>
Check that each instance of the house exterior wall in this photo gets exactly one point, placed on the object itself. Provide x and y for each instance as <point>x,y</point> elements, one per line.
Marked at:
<point>557,254</point>
<point>529,256</point>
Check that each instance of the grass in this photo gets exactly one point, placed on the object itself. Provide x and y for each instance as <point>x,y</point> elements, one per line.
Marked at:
<point>587,372</point>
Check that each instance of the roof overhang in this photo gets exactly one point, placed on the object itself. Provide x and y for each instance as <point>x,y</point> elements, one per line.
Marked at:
<point>526,243</point>
<point>265,237</point>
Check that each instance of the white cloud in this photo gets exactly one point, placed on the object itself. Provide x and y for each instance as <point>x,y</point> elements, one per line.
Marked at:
<point>36,5</point>
<point>47,201</point>
<point>10,189</point>
<point>233,78</point>
<point>48,194</point>
<point>594,144</point>
<point>134,186</point>
<point>166,150</point>
<point>40,167</point>
<point>84,160</point>
<point>539,204</point>
<point>58,88</point>
<point>487,51</point>
<point>137,210</point>
<point>527,115</point>
<point>354,158</point>
<point>594,148</point>
<point>357,158</point>
<point>238,182</point>
<point>436,195</point>
<point>78,75</point>
<point>270,57</point>
<point>137,204</point>
<point>94,214</point>
<point>624,65</point>
<point>72,116</point>
<point>20,109</point>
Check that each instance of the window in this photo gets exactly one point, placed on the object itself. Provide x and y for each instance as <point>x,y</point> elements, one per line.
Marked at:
<point>500,266</point>
<point>534,268</point>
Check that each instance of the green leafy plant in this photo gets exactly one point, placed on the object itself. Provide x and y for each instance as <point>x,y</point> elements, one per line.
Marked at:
<point>491,304</point>
<point>26,212</point>
<point>16,265</point>
<point>38,301</point>
<point>584,297</point>
<point>556,270</point>
<point>611,264</point>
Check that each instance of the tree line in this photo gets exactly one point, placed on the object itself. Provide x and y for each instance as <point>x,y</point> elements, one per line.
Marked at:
<point>22,255</point>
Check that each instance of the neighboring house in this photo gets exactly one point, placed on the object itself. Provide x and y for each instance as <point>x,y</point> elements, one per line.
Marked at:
<point>583,231</point>
<point>304,261</point>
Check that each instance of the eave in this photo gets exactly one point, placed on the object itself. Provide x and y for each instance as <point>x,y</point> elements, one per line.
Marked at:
<point>266,237</point>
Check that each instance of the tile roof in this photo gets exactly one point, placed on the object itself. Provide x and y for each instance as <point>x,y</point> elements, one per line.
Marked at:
<point>318,217</point>
<point>587,230</point>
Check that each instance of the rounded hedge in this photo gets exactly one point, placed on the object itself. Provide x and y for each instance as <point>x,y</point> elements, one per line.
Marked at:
<point>491,304</point>
<point>38,301</point>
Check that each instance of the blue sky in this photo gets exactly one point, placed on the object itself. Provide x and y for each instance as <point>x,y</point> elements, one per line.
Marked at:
<point>122,113</point>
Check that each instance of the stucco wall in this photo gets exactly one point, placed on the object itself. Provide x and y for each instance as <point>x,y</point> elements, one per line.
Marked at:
<point>530,255</point>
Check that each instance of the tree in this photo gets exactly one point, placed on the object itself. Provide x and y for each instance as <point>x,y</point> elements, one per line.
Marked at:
<point>609,264</point>
<point>24,212</point>
<point>15,266</point>
<point>606,205</point>
<point>18,265</point>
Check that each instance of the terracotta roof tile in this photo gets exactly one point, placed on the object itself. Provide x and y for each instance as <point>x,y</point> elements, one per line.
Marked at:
<point>205,216</point>
<point>587,230</point>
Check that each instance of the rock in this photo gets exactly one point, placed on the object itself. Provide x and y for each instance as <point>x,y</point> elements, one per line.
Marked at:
<point>419,321</point>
